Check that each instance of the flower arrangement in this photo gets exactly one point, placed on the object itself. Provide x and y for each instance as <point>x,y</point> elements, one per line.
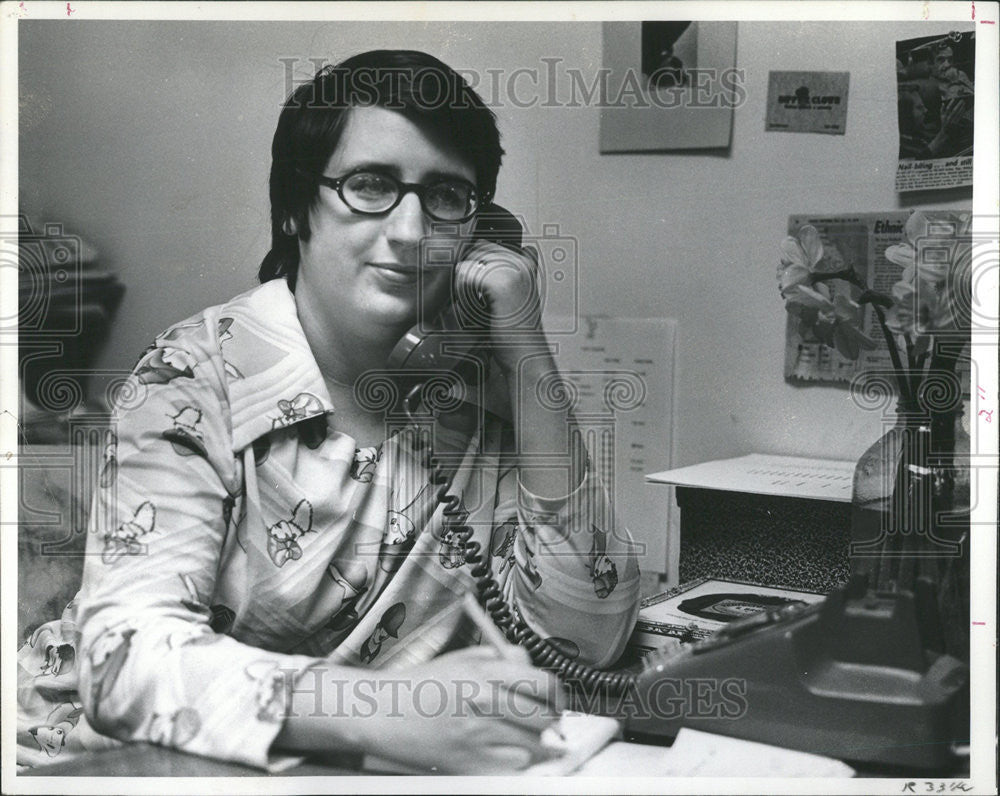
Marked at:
<point>930,302</point>
<point>910,499</point>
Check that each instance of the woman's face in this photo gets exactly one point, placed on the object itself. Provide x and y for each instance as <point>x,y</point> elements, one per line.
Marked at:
<point>359,275</point>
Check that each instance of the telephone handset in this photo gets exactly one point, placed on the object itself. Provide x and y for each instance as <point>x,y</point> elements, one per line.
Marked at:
<point>455,339</point>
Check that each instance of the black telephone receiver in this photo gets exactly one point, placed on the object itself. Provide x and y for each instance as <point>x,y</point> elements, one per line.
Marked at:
<point>458,336</point>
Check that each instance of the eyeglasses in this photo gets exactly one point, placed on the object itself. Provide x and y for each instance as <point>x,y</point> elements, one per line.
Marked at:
<point>373,193</point>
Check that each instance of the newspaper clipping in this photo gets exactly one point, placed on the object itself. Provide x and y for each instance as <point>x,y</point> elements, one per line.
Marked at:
<point>935,90</point>
<point>856,241</point>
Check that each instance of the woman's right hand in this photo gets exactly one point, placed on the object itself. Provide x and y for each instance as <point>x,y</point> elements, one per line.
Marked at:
<point>465,712</point>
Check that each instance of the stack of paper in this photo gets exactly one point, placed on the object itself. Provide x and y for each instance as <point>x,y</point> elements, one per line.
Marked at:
<point>702,754</point>
<point>759,474</point>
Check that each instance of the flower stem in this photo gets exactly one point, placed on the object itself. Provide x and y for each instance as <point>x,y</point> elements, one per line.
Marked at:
<point>877,300</point>
<point>848,275</point>
<point>905,391</point>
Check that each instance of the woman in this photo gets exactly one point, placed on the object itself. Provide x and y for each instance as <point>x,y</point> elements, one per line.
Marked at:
<point>271,569</point>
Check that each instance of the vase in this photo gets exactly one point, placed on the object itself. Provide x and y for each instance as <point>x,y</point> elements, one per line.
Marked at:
<point>910,520</point>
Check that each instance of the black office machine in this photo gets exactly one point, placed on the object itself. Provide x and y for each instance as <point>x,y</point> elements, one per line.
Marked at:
<point>848,677</point>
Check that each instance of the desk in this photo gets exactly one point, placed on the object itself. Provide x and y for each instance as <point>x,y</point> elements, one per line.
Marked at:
<point>794,543</point>
<point>779,520</point>
<point>145,760</point>
<point>617,760</point>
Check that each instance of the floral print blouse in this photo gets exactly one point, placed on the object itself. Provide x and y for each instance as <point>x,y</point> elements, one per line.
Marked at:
<point>237,538</point>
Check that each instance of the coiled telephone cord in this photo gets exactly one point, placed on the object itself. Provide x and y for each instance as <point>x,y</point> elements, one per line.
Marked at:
<point>543,653</point>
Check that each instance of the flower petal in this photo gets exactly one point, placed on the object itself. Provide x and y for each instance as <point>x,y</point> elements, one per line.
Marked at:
<point>899,320</point>
<point>901,254</point>
<point>792,253</point>
<point>808,297</point>
<point>902,292</point>
<point>847,346</point>
<point>847,310</point>
<point>811,243</point>
<point>916,227</point>
<point>932,269</point>
<point>850,340</point>
<point>791,276</point>
<point>942,316</point>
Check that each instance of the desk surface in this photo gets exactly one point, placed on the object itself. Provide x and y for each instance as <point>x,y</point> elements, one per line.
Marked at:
<point>699,757</point>
<point>145,760</point>
<point>616,760</point>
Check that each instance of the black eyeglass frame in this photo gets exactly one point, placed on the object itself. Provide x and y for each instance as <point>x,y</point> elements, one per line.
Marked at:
<point>337,184</point>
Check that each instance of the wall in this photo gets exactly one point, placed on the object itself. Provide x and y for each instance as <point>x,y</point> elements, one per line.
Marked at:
<point>152,140</point>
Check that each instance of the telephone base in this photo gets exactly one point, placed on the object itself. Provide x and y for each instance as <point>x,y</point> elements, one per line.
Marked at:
<point>846,678</point>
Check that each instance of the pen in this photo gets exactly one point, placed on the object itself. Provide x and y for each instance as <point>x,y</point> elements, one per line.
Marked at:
<point>493,635</point>
<point>490,631</point>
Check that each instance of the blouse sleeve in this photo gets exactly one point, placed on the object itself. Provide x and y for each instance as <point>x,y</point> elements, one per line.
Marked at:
<point>152,669</point>
<point>572,572</point>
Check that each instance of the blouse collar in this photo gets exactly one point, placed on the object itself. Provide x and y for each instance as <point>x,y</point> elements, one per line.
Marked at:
<point>271,375</point>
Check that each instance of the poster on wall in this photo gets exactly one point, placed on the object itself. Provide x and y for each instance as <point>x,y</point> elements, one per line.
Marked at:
<point>935,92</point>
<point>807,102</point>
<point>855,241</point>
<point>669,85</point>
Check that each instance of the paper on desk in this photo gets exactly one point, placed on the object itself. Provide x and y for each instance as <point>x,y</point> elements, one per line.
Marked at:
<point>279,763</point>
<point>760,474</point>
<point>703,754</point>
<point>581,735</point>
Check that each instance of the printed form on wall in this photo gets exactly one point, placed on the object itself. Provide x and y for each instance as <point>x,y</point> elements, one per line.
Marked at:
<point>620,377</point>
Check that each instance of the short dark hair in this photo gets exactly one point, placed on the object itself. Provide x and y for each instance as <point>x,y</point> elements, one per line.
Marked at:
<point>425,90</point>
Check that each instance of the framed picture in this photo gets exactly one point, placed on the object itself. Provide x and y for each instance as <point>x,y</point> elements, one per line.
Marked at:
<point>668,85</point>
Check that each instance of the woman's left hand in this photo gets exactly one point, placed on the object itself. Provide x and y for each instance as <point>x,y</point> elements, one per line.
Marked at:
<point>498,286</point>
<point>505,284</point>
